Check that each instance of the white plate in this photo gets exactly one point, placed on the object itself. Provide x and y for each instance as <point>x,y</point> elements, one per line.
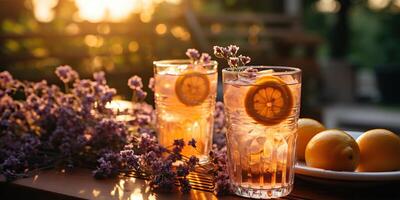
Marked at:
<point>302,169</point>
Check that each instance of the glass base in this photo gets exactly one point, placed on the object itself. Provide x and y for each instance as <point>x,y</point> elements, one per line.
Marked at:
<point>262,193</point>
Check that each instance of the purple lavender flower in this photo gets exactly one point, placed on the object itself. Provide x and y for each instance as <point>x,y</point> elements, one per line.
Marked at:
<point>182,170</point>
<point>205,58</point>
<point>164,178</point>
<point>229,54</point>
<point>192,162</point>
<point>244,59</point>
<point>140,95</point>
<point>109,133</point>
<point>185,185</point>
<point>179,143</point>
<point>233,61</point>
<point>193,54</point>
<point>192,143</point>
<point>221,177</point>
<point>222,184</point>
<point>108,95</point>
<point>131,160</point>
<point>226,53</point>
<point>66,73</point>
<point>99,77</point>
<point>104,169</point>
<point>233,49</point>
<point>5,79</point>
<point>135,82</point>
<point>11,162</point>
<point>218,52</point>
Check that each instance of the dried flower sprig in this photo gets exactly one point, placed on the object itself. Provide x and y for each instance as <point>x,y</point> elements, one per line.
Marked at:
<point>229,53</point>
<point>135,83</point>
<point>196,57</point>
<point>219,171</point>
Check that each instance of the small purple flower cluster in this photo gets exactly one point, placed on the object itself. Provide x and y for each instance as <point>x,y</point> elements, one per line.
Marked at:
<point>219,171</point>
<point>66,73</point>
<point>219,137</point>
<point>40,125</point>
<point>145,156</point>
<point>135,83</point>
<point>229,53</point>
<point>196,57</point>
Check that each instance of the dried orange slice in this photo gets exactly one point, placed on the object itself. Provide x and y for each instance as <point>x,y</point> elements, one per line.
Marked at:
<point>270,101</point>
<point>192,88</point>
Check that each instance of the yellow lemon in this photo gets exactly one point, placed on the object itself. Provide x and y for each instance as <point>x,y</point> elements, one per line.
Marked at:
<point>333,150</point>
<point>307,128</point>
<point>379,150</point>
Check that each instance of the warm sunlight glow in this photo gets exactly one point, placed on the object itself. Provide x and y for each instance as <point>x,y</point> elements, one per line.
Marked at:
<point>43,9</point>
<point>378,4</point>
<point>327,6</point>
<point>100,10</point>
<point>117,10</point>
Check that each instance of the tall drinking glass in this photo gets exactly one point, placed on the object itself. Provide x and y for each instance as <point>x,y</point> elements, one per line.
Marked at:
<point>185,101</point>
<point>262,108</point>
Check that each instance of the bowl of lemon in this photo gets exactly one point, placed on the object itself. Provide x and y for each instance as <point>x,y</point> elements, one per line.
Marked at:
<point>371,156</point>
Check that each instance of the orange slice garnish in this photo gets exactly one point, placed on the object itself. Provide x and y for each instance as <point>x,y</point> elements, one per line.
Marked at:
<point>192,88</point>
<point>270,101</point>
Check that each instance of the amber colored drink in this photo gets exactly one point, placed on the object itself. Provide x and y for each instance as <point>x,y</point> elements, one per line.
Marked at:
<point>185,101</point>
<point>262,110</point>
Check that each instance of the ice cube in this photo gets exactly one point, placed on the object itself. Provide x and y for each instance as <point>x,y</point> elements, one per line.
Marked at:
<point>165,84</point>
<point>265,72</point>
<point>234,96</point>
<point>257,145</point>
<point>289,79</point>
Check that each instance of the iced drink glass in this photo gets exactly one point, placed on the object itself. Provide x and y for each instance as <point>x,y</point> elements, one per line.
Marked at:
<point>185,101</point>
<point>262,108</point>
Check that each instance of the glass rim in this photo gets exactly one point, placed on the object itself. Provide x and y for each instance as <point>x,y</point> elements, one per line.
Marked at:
<point>181,62</point>
<point>290,70</point>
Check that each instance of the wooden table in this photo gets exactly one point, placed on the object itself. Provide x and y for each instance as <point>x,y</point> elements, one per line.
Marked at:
<point>79,184</point>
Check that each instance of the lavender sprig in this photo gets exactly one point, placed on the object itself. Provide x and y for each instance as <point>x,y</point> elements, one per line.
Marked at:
<point>220,171</point>
<point>196,57</point>
<point>135,83</point>
<point>229,53</point>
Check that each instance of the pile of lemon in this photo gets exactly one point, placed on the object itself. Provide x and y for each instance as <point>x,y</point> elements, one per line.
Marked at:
<point>376,150</point>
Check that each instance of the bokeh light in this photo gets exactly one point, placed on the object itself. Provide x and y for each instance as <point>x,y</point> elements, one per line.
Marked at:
<point>327,6</point>
<point>180,33</point>
<point>378,4</point>
<point>161,29</point>
<point>43,9</point>
<point>133,46</point>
